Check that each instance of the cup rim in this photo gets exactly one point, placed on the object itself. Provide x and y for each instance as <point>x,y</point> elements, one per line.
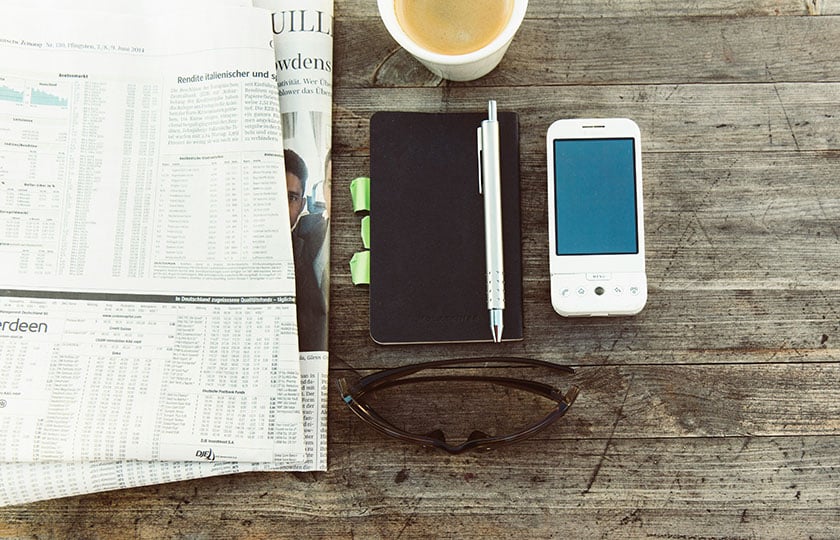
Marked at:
<point>388,15</point>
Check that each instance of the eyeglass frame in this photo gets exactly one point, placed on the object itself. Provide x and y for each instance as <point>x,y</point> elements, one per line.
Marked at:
<point>353,396</point>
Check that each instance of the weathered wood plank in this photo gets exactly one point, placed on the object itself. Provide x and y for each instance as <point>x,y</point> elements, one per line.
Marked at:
<point>551,9</point>
<point>673,118</point>
<point>675,327</point>
<point>630,402</point>
<point>742,487</point>
<point>660,50</point>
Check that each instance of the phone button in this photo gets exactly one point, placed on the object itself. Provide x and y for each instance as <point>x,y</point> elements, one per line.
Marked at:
<point>598,276</point>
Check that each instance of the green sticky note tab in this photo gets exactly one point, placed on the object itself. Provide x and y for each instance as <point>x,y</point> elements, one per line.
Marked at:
<point>360,268</point>
<point>366,232</point>
<point>360,193</point>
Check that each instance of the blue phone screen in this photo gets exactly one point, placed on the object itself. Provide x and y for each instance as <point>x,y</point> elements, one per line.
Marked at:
<point>595,196</point>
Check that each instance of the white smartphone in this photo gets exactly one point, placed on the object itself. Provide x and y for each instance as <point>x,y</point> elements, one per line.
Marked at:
<point>596,232</point>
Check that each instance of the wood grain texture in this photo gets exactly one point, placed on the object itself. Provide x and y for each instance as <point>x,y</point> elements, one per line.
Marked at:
<point>647,402</point>
<point>615,50</point>
<point>715,413</point>
<point>573,9</point>
<point>735,487</point>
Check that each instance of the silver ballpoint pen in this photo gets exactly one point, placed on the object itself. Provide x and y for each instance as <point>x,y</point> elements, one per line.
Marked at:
<point>490,186</point>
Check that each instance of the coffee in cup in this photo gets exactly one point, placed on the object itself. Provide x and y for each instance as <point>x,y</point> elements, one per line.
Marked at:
<point>453,27</point>
<point>459,40</point>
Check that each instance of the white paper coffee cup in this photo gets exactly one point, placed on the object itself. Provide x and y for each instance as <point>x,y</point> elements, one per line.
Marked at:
<point>456,67</point>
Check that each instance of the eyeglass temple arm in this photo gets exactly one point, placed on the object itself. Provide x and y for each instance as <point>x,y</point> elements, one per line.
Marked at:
<point>535,387</point>
<point>372,418</point>
<point>402,371</point>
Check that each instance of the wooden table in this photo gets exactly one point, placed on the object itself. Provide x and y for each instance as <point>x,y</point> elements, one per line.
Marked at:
<point>715,413</point>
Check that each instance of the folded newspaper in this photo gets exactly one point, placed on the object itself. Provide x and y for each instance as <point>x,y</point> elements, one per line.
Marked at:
<point>158,321</point>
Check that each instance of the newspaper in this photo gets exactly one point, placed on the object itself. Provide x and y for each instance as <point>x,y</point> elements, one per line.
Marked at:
<point>198,286</point>
<point>303,43</point>
<point>26,482</point>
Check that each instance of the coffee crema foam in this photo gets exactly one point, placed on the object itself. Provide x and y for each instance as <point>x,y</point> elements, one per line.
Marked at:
<point>453,27</point>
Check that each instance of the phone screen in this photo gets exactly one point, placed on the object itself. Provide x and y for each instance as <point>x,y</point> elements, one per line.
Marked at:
<point>595,192</point>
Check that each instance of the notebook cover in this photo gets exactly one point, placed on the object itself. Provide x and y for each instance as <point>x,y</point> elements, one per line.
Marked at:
<point>427,271</point>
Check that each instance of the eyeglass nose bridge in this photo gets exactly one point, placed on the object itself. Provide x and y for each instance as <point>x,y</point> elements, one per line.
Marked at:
<point>439,436</point>
<point>438,440</point>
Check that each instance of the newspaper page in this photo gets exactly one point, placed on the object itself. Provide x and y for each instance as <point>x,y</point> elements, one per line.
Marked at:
<point>146,7</point>
<point>303,43</point>
<point>146,278</point>
<point>26,482</point>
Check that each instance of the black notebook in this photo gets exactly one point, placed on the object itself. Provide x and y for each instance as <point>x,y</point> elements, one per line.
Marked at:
<point>427,270</point>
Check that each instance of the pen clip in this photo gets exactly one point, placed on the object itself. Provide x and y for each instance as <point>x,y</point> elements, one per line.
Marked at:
<point>478,153</point>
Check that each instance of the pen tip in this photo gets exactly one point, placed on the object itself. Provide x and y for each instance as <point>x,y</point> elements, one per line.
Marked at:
<point>497,333</point>
<point>496,325</point>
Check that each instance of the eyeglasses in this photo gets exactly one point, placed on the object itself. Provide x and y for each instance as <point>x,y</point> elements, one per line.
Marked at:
<point>357,394</point>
